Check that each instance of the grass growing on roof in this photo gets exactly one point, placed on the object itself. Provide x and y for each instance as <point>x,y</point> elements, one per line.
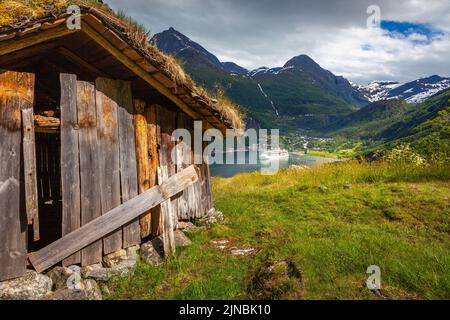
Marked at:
<point>332,221</point>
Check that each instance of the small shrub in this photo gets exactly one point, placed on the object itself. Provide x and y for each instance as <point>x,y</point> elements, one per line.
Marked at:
<point>404,155</point>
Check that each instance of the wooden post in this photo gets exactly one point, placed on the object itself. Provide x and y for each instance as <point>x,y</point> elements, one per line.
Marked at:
<point>153,133</point>
<point>70,165</point>
<point>167,120</point>
<point>166,216</point>
<point>128,168</point>
<point>108,153</point>
<point>16,90</point>
<point>30,170</point>
<point>143,163</point>
<point>89,166</point>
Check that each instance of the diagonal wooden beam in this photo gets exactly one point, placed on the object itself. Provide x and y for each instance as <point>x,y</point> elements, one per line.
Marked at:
<point>111,221</point>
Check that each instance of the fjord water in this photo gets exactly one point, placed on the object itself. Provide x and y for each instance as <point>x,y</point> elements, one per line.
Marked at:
<point>229,170</point>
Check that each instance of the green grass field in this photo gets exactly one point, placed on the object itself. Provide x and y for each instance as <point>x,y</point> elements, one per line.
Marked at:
<point>333,222</point>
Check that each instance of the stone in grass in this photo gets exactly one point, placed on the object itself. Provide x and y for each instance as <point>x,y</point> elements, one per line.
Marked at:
<point>96,272</point>
<point>181,240</point>
<point>152,252</point>
<point>133,252</point>
<point>276,280</point>
<point>115,258</point>
<point>31,286</point>
<point>65,277</point>
<point>100,273</point>
<point>212,217</point>
<point>89,290</point>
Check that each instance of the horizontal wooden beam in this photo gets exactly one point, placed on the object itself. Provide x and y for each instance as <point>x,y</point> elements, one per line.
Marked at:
<point>19,43</point>
<point>111,221</point>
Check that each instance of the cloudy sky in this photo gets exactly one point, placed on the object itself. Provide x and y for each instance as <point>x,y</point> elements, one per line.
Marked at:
<point>413,39</point>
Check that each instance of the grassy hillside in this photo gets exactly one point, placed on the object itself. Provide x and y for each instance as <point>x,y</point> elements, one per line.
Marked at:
<point>387,124</point>
<point>332,222</point>
<point>302,101</point>
<point>371,119</point>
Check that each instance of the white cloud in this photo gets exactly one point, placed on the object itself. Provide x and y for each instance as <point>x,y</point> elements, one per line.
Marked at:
<point>254,33</point>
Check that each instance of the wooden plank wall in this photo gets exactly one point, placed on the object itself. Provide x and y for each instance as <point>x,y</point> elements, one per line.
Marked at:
<point>17,92</point>
<point>108,153</point>
<point>97,128</point>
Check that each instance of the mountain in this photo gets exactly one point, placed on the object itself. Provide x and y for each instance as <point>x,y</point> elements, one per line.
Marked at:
<point>419,90</point>
<point>370,120</point>
<point>376,90</point>
<point>299,95</point>
<point>413,92</point>
<point>387,123</point>
<point>177,44</point>
<point>232,67</point>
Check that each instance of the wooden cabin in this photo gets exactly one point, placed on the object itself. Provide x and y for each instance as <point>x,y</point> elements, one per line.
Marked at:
<point>86,117</point>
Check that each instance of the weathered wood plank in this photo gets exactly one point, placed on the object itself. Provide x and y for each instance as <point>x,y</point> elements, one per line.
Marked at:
<point>108,154</point>
<point>167,120</point>
<point>30,170</point>
<point>70,164</point>
<point>100,227</point>
<point>153,131</point>
<point>186,205</point>
<point>143,161</point>
<point>128,167</point>
<point>166,216</point>
<point>89,166</point>
<point>34,39</point>
<point>16,89</point>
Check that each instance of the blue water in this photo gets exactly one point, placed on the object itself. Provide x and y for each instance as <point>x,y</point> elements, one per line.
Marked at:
<point>227,170</point>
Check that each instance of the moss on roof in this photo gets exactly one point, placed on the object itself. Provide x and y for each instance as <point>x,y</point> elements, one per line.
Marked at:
<point>18,13</point>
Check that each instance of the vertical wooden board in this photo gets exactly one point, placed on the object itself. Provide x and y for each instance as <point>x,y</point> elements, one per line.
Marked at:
<point>208,186</point>
<point>108,154</point>
<point>128,167</point>
<point>166,216</point>
<point>185,153</point>
<point>16,90</point>
<point>153,131</point>
<point>167,120</point>
<point>30,170</point>
<point>89,166</point>
<point>70,164</point>
<point>143,162</point>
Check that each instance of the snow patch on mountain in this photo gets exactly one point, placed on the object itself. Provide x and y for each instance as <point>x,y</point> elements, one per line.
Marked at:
<point>376,90</point>
<point>266,71</point>
<point>412,92</point>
